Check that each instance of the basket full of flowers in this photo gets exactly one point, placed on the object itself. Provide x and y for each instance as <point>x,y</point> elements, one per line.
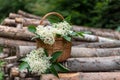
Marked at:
<point>54,37</point>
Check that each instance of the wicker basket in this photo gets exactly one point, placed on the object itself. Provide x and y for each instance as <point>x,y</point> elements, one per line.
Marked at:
<point>59,45</point>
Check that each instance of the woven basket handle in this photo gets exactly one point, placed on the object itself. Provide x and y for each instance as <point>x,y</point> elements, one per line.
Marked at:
<point>51,13</point>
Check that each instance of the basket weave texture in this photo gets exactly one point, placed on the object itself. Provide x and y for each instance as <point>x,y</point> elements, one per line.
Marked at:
<point>60,43</point>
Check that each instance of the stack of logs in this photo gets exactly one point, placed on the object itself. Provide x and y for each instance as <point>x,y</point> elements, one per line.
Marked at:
<point>96,56</point>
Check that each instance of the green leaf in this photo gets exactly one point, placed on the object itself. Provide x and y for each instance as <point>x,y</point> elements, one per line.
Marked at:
<point>35,37</point>
<point>29,69</point>
<point>68,18</point>
<point>23,65</point>
<point>46,53</point>
<point>73,34</point>
<point>80,34</point>
<point>58,35</point>
<point>67,38</point>
<point>23,59</point>
<point>1,75</point>
<point>32,28</point>
<point>47,71</point>
<point>55,56</point>
<point>54,19</point>
<point>87,32</point>
<point>2,63</point>
<point>60,67</point>
<point>118,28</point>
<point>1,49</point>
<point>53,71</point>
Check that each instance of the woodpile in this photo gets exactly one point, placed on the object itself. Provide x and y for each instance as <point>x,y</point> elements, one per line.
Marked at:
<point>96,56</point>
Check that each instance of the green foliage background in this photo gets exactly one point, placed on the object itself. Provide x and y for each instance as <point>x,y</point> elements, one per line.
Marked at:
<point>94,13</point>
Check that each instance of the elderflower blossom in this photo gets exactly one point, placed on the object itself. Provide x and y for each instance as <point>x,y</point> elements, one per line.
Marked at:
<point>48,33</point>
<point>63,28</point>
<point>38,61</point>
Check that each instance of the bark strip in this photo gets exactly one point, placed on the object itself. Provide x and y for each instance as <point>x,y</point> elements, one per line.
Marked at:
<point>99,32</point>
<point>21,51</point>
<point>93,64</point>
<point>100,45</point>
<point>94,52</point>
<point>28,15</point>
<point>9,22</point>
<point>94,38</point>
<point>15,33</point>
<point>14,15</point>
<point>27,21</point>
<point>83,76</point>
<point>14,43</point>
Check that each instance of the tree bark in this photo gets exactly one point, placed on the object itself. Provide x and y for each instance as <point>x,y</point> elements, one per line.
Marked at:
<point>28,15</point>
<point>9,51</point>
<point>19,26</point>
<point>83,76</point>
<point>94,52</point>
<point>100,76</point>
<point>24,21</point>
<point>75,43</point>
<point>2,55</point>
<point>84,28</point>
<point>62,76</point>
<point>93,38</point>
<point>14,15</point>
<point>27,21</point>
<point>21,51</point>
<point>101,45</point>
<point>14,33</point>
<point>9,22</point>
<point>14,43</point>
<point>76,52</point>
<point>93,64</point>
<point>11,59</point>
<point>99,32</point>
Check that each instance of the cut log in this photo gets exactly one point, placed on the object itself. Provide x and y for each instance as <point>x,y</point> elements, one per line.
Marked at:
<point>62,76</point>
<point>28,15</point>
<point>76,52</point>
<point>15,33</point>
<point>9,51</point>
<point>93,64</point>
<point>27,21</point>
<point>14,72</point>
<point>83,76</point>
<point>100,76</point>
<point>2,55</point>
<point>94,52</point>
<point>14,43</point>
<point>75,43</point>
<point>100,45</point>
<point>93,38</point>
<point>19,26</point>
<point>84,28</point>
<point>9,66</point>
<point>115,35</point>
<point>9,22</point>
<point>14,15</point>
<point>100,32</point>
<point>11,59</point>
<point>24,21</point>
<point>23,50</point>
<point>6,50</point>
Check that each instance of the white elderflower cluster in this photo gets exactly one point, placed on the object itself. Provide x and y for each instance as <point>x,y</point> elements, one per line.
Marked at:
<point>38,61</point>
<point>63,28</point>
<point>48,33</point>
